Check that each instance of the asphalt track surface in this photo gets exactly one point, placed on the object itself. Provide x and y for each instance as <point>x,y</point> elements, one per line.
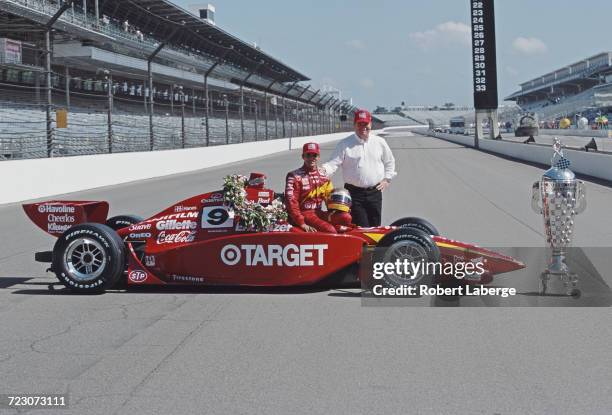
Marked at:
<point>228,351</point>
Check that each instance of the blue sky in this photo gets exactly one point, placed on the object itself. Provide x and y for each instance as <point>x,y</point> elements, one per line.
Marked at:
<point>388,51</point>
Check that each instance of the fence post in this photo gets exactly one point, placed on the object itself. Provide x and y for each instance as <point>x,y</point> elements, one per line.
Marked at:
<point>267,112</point>
<point>182,97</point>
<point>284,117</point>
<point>227,135</point>
<point>151,107</point>
<point>241,114</point>
<point>67,87</point>
<point>207,107</point>
<point>255,108</point>
<point>275,120</point>
<point>49,95</point>
<point>109,80</point>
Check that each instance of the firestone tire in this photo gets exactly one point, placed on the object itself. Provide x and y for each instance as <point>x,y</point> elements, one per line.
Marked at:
<point>417,223</point>
<point>89,258</point>
<point>413,245</point>
<point>121,221</point>
<point>116,223</point>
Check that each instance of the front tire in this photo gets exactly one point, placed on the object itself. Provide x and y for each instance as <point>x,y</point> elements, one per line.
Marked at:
<point>89,258</point>
<point>412,245</point>
<point>417,223</point>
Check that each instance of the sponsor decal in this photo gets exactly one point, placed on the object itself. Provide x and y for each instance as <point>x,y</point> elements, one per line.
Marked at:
<point>55,228</point>
<point>284,227</point>
<point>215,197</point>
<point>62,219</point>
<point>263,194</point>
<point>270,255</point>
<point>217,217</point>
<point>263,200</point>
<point>140,227</point>
<point>186,278</point>
<point>144,235</point>
<point>175,238</point>
<point>149,260</point>
<point>137,276</point>
<point>171,225</point>
<point>178,209</point>
<point>182,215</point>
<point>47,208</point>
<point>322,191</point>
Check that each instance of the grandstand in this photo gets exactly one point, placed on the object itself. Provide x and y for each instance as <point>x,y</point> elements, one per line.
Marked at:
<point>142,75</point>
<point>423,115</point>
<point>584,87</point>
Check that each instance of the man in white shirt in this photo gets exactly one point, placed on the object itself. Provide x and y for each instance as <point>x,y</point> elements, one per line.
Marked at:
<point>368,166</point>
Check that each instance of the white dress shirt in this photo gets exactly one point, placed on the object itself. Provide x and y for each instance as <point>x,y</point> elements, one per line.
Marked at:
<point>364,163</point>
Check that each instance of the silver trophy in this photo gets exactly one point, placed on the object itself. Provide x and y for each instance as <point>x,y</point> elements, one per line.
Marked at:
<point>558,196</point>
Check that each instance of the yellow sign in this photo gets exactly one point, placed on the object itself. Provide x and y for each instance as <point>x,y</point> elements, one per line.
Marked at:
<point>61,118</point>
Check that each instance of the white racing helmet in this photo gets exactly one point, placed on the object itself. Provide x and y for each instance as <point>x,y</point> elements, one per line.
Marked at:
<point>340,199</point>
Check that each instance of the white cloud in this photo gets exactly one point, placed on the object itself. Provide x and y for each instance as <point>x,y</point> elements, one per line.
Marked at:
<point>356,44</point>
<point>444,34</point>
<point>366,83</point>
<point>529,45</point>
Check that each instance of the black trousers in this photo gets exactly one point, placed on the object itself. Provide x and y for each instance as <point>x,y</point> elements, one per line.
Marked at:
<point>367,205</point>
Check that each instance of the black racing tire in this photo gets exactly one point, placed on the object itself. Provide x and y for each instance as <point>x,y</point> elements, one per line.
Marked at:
<point>116,223</point>
<point>417,223</point>
<point>89,258</point>
<point>121,221</point>
<point>407,243</point>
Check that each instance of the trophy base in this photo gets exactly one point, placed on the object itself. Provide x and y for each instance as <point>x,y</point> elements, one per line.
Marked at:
<point>568,279</point>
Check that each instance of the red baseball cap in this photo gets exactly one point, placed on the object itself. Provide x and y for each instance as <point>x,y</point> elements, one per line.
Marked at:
<point>363,116</point>
<point>312,148</point>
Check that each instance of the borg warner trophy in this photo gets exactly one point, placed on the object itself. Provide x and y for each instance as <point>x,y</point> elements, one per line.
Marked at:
<point>558,196</point>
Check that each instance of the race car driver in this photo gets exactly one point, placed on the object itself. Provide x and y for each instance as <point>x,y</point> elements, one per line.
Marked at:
<point>305,191</point>
<point>339,211</point>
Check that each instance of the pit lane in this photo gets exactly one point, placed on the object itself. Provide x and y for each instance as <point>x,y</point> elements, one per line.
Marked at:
<point>307,350</point>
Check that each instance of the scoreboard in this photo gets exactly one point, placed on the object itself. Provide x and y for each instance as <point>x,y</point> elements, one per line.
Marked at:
<point>484,61</point>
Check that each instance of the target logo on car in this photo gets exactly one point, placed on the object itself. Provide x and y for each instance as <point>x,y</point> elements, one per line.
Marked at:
<point>137,276</point>
<point>291,255</point>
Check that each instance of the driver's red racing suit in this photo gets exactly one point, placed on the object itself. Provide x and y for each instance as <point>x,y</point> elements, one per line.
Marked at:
<point>305,192</point>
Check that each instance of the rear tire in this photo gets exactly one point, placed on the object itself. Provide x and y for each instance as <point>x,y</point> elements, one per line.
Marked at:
<point>116,223</point>
<point>121,221</point>
<point>409,244</point>
<point>417,223</point>
<point>89,258</point>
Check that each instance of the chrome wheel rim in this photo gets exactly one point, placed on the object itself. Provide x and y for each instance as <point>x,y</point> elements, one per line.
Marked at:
<point>85,259</point>
<point>406,250</point>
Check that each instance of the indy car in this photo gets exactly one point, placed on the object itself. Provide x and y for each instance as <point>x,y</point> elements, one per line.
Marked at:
<point>201,241</point>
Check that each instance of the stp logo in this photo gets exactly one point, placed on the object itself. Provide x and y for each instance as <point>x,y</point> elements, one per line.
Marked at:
<point>137,276</point>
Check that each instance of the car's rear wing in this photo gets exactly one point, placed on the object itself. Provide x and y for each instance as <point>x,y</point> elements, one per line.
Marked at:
<point>56,216</point>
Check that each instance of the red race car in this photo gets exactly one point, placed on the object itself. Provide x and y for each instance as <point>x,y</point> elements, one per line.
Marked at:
<point>201,241</point>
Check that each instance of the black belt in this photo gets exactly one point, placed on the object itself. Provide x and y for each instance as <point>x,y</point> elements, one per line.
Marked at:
<point>350,186</point>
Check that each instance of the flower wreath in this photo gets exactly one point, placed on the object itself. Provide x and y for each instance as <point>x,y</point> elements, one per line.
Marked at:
<point>253,216</point>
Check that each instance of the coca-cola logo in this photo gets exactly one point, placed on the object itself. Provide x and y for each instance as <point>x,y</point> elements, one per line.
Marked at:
<point>137,276</point>
<point>175,238</point>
